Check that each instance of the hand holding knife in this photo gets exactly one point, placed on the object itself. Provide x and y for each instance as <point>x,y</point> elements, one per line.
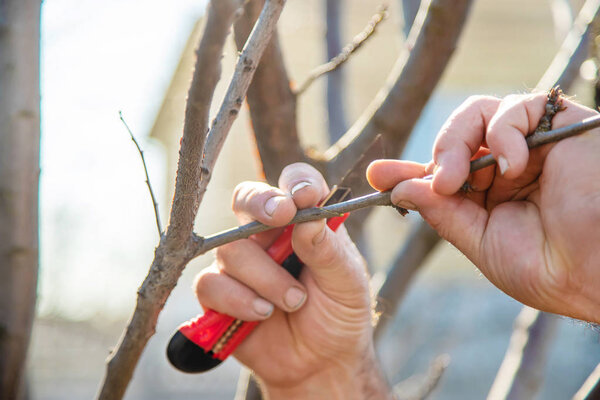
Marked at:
<point>205,341</point>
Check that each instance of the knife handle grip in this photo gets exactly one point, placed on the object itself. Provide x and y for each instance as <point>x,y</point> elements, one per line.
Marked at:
<point>204,342</point>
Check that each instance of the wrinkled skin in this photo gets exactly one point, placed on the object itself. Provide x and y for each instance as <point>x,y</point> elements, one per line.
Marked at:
<point>532,223</point>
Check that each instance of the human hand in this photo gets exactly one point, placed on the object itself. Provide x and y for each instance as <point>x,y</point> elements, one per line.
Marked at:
<point>532,222</point>
<point>315,338</point>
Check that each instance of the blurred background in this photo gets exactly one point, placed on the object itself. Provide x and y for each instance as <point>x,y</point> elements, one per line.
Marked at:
<point>97,225</point>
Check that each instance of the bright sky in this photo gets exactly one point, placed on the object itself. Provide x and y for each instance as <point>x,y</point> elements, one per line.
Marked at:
<point>97,226</point>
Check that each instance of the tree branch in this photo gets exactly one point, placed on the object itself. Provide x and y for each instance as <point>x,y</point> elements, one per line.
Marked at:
<point>153,197</point>
<point>272,103</point>
<point>204,244</point>
<point>175,248</point>
<point>409,12</point>
<point>336,89</point>
<point>347,51</point>
<point>207,73</point>
<point>564,68</point>
<point>562,16</point>
<point>398,105</point>
<point>421,387</point>
<point>19,178</point>
<point>591,387</point>
<point>520,374</point>
<point>419,244</point>
<point>242,76</point>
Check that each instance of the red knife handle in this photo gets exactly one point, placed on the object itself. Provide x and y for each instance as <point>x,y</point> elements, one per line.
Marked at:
<point>204,342</point>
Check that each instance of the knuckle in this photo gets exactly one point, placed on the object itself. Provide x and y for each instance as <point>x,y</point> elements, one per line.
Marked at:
<point>475,100</point>
<point>227,252</point>
<point>204,281</point>
<point>240,195</point>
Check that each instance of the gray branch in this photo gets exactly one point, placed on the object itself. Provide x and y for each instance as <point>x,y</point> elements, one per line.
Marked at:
<point>176,247</point>
<point>204,244</point>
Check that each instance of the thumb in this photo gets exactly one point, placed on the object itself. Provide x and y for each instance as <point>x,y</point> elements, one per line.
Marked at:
<point>456,218</point>
<point>334,262</point>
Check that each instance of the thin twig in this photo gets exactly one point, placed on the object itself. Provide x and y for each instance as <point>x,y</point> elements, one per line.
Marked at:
<point>154,202</point>
<point>591,387</point>
<point>205,244</point>
<point>397,106</point>
<point>551,136</point>
<point>305,215</point>
<point>421,387</point>
<point>564,68</point>
<point>347,51</point>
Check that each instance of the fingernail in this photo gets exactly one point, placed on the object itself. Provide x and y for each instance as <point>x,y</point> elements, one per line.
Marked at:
<point>503,164</point>
<point>294,297</point>
<point>406,204</point>
<point>262,307</point>
<point>299,186</point>
<point>272,203</point>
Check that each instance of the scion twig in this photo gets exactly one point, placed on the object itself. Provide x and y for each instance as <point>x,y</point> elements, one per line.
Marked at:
<point>346,52</point>
<point>154,202</point>
<point>205,244</point>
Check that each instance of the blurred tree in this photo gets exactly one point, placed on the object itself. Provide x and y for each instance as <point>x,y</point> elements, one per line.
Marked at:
<point>19,173</point>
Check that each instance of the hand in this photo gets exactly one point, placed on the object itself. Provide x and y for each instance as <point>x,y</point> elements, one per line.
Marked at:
<point>315,340</point>
<point>532,223</point>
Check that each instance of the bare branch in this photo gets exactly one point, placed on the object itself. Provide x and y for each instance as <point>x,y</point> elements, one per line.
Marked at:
<point>562,15</point>
<point>419,244</point>
<point>19,177</point>
<point>398,105</point>
<point>421,387</point>
<point>154,202</point>
<point>591,387</point>
<point>565,66</point>
<point>308,214</point>
<point>336,85</point>
<point>272,103</point>
<point>207,73</point>
<point>347,51</point>
<point>204,244</point>
<point>409,12</point>
<point>174,250</point>
<point>526,352</point>
<point>244,71</point>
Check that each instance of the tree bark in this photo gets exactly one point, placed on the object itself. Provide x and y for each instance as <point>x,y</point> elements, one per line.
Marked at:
<point>19,176</point>
<point>398,105</point>
<point>272,103</point>
<point>336,110</point>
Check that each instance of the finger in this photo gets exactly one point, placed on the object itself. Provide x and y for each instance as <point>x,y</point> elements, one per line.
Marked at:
<point>456,218</point>
<point>248,263</point>
<point>458,140</point>
<point>304,183</point>
<point>222,293</point>
<point>258,201</point>
<point>517,117</point>
<point>385,174</point>
<point>334,262</point>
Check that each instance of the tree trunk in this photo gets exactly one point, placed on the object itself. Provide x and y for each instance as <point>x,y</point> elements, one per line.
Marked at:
<point>19,173</point>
